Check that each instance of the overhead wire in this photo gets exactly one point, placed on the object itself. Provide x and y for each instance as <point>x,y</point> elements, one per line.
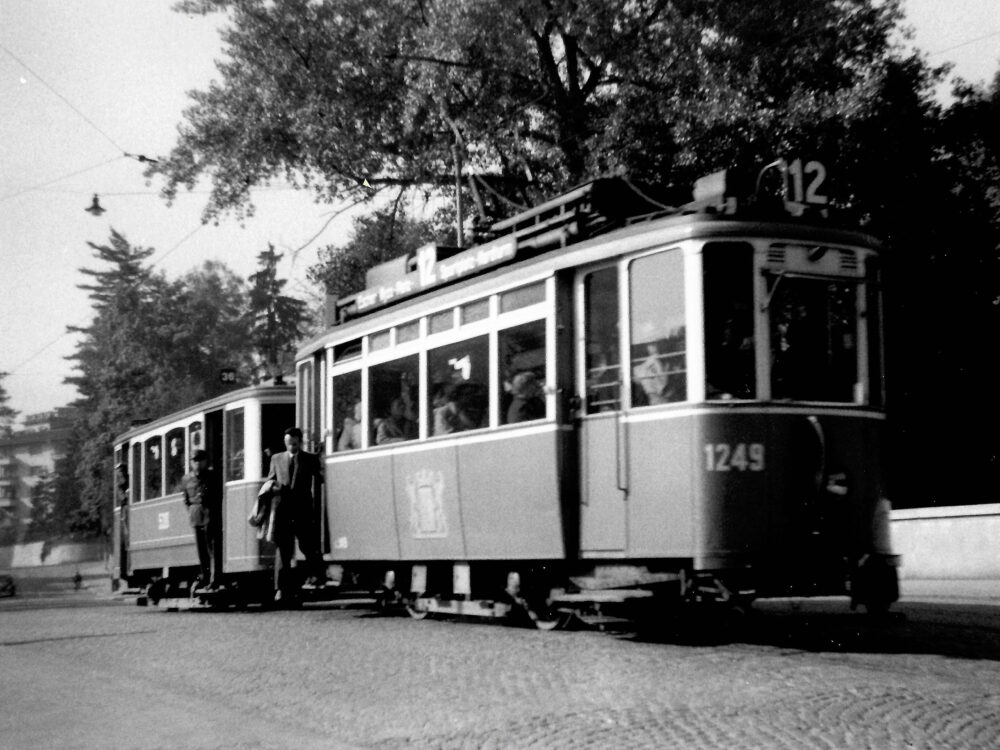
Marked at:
<point>66,176</point>
<point>966,43</point>
<point>65,101</point>
<point>15,370</point>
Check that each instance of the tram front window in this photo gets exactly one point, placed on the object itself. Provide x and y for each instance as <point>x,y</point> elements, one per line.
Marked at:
<point>729,339</point>
<point>658,329</point>
<point>813,326</point>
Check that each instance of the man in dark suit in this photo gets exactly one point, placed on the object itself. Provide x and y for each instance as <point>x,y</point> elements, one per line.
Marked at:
<point>296,475</point>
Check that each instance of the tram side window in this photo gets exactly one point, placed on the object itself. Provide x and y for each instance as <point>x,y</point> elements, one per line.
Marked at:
<point>347,411</point>
<point>154,467</point>
<point>602,341</point>
<point>235,456</point>
<point>194,437</point>
<point>393,404</point>
<point>522,372</point>
<point>305,399</point>
<point>730,371</point>
<point>458,377</point>
<point>175,460</point>
<point>137,472</point>
<point>813,339</point>
<point>659,337</point>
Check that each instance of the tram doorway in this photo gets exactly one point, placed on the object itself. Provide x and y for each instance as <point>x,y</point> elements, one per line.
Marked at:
<point>602,435</point>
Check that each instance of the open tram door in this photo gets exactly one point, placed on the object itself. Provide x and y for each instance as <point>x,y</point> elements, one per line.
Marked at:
<point>121,509</point>
<point>602,436</point>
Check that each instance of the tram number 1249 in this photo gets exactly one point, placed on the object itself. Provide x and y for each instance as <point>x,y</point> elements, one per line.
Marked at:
<point>739,457</point>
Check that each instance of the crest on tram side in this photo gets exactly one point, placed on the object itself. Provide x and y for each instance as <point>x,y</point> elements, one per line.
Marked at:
<point>426,491</point>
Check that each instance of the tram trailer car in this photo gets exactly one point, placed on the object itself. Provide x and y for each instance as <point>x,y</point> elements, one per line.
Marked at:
<point>613,400</point>
<point>154,545</point>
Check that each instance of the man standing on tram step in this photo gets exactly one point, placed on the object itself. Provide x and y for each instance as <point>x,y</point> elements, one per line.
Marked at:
<point>296,475</point>
<point>203,499</point>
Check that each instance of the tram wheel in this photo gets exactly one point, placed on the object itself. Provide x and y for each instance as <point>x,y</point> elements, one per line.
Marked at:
<point>156,591</point>
<point>557,621</point>
<point>412,611</point>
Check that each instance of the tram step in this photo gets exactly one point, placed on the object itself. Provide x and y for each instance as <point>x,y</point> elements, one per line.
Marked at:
<point>605,622</point>
<point>604,596</point>
<point>462,607</point>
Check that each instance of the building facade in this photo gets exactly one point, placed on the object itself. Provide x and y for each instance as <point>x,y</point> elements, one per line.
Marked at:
<point>27,456</point>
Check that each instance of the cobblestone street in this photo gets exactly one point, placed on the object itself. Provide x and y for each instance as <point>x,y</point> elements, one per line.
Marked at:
<point>809,676</point>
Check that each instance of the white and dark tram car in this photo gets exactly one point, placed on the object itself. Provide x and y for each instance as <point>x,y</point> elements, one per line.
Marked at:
<point>612,400</point>
<point>153,544</point>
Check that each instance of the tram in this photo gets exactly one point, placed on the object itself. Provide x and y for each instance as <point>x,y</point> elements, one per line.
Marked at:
<point>154,545</point>
<point>613,400</point>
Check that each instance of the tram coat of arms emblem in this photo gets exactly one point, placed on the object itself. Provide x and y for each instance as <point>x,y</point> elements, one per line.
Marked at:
<point>427,517</point>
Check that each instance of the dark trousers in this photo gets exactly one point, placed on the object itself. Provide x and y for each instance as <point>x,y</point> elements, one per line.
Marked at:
<point>286,532</point>
<point>209,554</point>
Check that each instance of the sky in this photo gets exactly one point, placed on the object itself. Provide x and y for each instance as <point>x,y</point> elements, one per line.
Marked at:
<point>84,83</point>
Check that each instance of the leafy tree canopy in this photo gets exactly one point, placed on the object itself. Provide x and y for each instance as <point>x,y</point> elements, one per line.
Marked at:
<point>277,320</point>
<point>386,233</point>
<point>155,345</point>
<point>537,96</point>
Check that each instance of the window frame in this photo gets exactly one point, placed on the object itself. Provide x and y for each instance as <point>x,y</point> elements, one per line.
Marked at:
<point>489,326</point>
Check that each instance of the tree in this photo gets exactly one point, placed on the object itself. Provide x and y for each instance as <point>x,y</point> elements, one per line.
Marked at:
<point>154,346</point>
<point>386,233</point>
<point>536,96</point>
<point>7,414</point>
<point>278,319</point>
<point>55,507</point>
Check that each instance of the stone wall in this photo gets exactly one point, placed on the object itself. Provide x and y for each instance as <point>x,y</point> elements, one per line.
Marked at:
<point>961,541</point>
<point>34,554</point>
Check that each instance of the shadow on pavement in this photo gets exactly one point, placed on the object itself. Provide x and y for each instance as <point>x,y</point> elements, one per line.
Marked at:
<point>970,631</point>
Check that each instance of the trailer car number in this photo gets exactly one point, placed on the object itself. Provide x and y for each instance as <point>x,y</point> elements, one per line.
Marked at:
<point>741,457</point>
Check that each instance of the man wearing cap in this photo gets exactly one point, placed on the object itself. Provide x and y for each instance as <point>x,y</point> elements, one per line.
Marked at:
<point>202,498</point>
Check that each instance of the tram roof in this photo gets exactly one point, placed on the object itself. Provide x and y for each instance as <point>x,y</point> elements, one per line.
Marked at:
<point>212,404</point>
<point>579,227</point>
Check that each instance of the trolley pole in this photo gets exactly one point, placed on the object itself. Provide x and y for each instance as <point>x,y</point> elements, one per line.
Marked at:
<point>459,232</point>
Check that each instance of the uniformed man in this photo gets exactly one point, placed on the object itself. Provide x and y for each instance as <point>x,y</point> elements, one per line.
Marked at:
<point>201,496</point>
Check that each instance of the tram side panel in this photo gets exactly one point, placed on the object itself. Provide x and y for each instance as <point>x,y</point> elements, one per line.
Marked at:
<point>160,534</point>
<point>361,507</point>
<point>510,499</point>
<point>493,499</point>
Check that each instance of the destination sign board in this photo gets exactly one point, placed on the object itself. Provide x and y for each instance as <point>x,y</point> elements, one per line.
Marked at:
<point>431,272</point>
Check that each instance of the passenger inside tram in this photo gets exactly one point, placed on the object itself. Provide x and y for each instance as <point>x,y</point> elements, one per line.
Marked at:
<point>401,422</point>
<point>528,402</point>
<point>350,433</point>
<point>651,374</point>
<point>602,381</point>
<point>730,355</point>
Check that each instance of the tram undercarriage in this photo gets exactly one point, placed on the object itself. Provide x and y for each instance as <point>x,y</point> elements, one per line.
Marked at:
<point>548,597</point>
